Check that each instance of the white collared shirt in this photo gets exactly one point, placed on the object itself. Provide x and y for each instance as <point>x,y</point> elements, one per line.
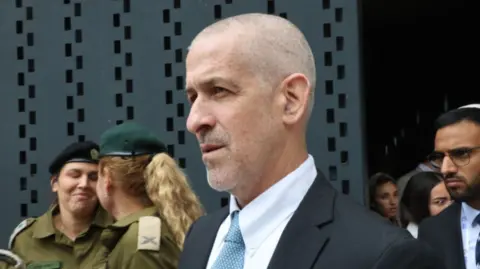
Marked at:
<point>413,229</point>
<point>263,220</point>
<point>470,233</point>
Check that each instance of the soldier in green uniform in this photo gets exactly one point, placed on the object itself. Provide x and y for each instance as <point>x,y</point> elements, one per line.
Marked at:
<point>9,260</point>
<point>148,195</point>
<point>68,234</point>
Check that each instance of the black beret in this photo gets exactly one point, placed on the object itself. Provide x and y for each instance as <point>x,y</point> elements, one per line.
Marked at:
<point>84,152</point>
<point>130,139</point>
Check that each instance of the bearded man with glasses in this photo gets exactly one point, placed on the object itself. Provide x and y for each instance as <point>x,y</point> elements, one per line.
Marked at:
<point>455,233</point>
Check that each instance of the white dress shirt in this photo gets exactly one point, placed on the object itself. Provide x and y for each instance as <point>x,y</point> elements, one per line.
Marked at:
<point>413,229</point>
<point>470,234</point>
<point>263,220</point>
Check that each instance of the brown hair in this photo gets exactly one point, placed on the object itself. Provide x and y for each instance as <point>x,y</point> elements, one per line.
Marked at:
<point>161,183</point>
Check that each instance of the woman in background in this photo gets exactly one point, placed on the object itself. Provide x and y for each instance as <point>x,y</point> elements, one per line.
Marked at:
<point>384,196</point>
<point>149,197</point>
<point>425,195</point>
<point>68,234</point>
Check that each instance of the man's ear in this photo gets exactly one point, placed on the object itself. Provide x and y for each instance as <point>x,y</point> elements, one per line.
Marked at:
<point>54,183</point>
<point>296,91</point>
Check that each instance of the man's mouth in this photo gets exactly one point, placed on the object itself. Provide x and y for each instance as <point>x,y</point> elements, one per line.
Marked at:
<point>454,182</point>
<point>207,148</point>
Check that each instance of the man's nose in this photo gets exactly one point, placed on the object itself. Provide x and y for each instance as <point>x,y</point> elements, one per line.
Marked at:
<point>200,117</point>
<point>448,167</point>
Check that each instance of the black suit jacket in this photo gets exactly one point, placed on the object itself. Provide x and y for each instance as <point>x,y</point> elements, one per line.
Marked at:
<point>327,230</point>
<point>444,234</point>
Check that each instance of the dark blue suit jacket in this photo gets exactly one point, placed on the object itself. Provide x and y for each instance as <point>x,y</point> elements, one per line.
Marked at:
<point>328,230</point>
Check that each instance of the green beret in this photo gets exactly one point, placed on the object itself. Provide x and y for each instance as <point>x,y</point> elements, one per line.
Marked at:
<point>84,152</point>
<point>130,139</point>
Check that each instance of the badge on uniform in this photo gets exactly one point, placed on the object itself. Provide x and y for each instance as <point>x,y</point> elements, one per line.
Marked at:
<point>149,232</point>
<point>9,258</point>
<point>20,227</point>
<point>94,154</point>
<point>45,265</point>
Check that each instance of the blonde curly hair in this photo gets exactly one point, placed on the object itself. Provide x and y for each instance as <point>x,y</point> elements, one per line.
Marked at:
<point>160,182</point>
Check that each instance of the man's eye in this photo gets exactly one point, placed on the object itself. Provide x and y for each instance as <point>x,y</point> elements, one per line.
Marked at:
<point>217,90</point>
<point>436,157</point>
<point>459,153</point>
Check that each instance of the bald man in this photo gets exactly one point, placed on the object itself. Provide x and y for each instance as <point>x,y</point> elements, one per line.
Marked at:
<point>250,80</point>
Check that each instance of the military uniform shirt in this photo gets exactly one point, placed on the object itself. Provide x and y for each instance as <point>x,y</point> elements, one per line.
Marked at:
<point>128,245</point>
<point>41,245</point>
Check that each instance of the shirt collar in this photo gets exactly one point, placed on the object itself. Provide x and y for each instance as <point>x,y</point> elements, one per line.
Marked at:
<point>262,215</point>
<point>102,218</point>
<point>469,213</point>
<point>44,226</point>
<point>126,221</point>
<point>413,229</point>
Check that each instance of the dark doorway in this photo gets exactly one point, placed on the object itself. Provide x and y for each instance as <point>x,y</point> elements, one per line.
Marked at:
<point>418,61</point>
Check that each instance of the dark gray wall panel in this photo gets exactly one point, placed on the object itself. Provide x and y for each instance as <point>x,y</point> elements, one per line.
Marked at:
<point>71,70</point>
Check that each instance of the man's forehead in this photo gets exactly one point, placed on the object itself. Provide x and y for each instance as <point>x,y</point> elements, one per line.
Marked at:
<point>462,134</point>
<point>202,74</point>
<point>210,60</point>
<point>205,55</point>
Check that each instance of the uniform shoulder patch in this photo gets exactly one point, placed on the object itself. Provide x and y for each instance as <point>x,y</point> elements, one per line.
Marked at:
<point>149,233</point>
<point>20,227</point>
<point>9,258</point>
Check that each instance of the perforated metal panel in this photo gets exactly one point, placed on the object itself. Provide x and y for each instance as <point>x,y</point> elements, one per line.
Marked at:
<point>70,70</point>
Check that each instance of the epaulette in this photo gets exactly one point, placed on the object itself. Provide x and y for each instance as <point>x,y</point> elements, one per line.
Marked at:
<point>11,259</point>
<point>149,233</point>
<point>20,227</point>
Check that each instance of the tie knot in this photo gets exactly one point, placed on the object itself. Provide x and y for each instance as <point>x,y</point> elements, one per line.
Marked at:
<point>476,220</point>
<point>234,233</point>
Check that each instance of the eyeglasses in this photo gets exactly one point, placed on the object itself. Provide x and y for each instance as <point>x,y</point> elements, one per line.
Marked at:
<point>460,157</point>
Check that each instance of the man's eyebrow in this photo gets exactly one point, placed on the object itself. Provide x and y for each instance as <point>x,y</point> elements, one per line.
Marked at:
<point>455,148</point>
<point>219,80</point>
<point>209,82</point>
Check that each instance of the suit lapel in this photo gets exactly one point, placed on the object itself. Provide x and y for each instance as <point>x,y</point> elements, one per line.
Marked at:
<point>308,231</point>
<point>199,253</point>
<point>452,221</point>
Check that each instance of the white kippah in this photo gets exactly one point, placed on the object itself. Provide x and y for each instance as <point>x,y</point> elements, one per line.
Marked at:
<point>470,106</point>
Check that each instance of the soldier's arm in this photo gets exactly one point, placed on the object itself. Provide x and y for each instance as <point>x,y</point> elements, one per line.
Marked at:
<point>19,236</point>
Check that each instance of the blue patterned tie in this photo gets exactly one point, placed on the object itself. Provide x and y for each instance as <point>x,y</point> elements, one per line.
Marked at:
<point>232,254</point>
